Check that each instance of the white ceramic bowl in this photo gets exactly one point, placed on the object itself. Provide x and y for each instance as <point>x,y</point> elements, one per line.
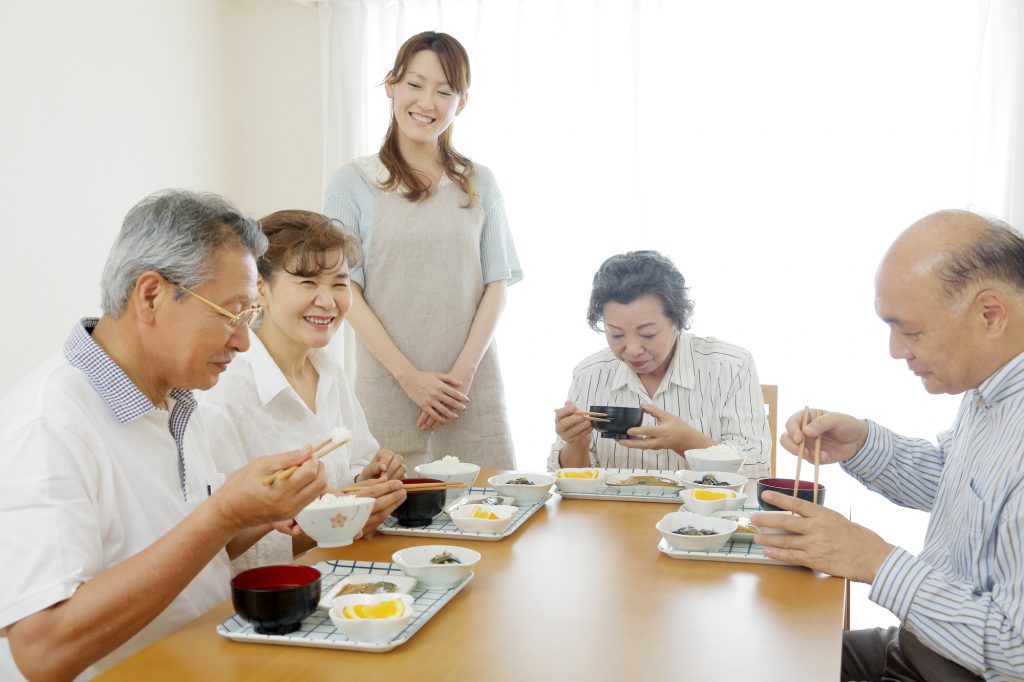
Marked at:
<point>402,583</point>
<point>695,543</point>
<point>733,481</point>
<point>415,561</point>
<point>525,495</point>
<point>463,518</point>
<point>337,524</point>
<point>370,629</point>
<point>716,458</point>
<point>571,484</point>
<point>476,499</point>
<point>467,477</point>
<point>764,530</point>
<point>709,507</point>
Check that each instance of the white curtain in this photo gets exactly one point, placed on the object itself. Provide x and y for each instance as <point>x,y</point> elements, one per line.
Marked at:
<point>773,149</point>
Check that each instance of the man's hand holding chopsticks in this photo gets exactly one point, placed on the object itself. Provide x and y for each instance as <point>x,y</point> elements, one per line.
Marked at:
<point>842,436</point>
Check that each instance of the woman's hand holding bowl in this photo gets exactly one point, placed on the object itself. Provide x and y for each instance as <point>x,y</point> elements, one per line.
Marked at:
<point>670,433</point>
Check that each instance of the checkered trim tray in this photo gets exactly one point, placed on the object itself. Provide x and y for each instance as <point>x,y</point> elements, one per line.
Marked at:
<point>737,551</point>
<point>318,630</point>
<point>632,493</point>
<point>443,526</point>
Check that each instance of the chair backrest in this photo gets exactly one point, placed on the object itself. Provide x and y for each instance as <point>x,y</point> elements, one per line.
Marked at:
<point>770,396</point>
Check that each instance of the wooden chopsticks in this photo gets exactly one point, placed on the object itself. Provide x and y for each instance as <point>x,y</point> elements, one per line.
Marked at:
<point>322,449</point>
<point>593,416</point>
<point>440,485</point>
<point>808,415</point>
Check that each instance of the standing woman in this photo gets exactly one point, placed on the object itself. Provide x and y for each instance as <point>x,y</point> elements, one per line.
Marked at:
<point>438,257</point>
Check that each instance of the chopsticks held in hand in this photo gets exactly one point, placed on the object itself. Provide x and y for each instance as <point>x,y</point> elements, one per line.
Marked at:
<point>808,415</point>
<point>440,485</point>
<point>593,416</point>
<point>322,449</point>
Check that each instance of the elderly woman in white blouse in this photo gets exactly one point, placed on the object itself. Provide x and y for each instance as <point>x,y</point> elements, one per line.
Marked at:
<point>286,389</point>
<point>697,391</point>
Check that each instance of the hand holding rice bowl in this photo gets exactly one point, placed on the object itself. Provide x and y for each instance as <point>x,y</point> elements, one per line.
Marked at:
<point>334,520</point>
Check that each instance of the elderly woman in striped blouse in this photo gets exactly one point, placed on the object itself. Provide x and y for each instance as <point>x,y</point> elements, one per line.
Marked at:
<point>697,391</point>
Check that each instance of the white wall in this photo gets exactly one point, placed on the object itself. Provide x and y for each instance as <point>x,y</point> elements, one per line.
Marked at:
<point>106,101</point>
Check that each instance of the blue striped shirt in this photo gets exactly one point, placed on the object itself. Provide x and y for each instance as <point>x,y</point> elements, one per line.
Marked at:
<point>964,595</point>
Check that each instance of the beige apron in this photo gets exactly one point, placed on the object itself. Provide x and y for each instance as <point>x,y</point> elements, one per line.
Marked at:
<point>424,283</point>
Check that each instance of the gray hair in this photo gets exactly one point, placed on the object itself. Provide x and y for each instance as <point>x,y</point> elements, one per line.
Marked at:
<point>628,276</point>
<point>995,254</point>
<point>174,232</point>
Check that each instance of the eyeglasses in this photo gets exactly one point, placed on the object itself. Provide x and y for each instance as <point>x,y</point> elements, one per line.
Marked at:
<point>247,317</point>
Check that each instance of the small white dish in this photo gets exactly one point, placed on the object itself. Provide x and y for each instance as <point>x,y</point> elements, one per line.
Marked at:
<point>673,521</point>
<point>715,458</point>
<point>464,518</point>
<point>525,494</point>
<point>764,530</point>
<point>643,482</point>
<point>729,501</point>
<point>336,523</point>
<point>745,530</point>
<point>345,614</point>
<point>477,499</point>
<point>415,562</point>
<point>403,585</point>
<point>569,480</point>
<point>693,479</point>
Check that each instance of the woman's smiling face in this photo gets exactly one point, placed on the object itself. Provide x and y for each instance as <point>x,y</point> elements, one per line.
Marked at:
<point>424,102</point>
<point>308,309</point>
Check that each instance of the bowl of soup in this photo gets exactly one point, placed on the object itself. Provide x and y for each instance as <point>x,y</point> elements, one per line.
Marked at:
<point>276,599</point>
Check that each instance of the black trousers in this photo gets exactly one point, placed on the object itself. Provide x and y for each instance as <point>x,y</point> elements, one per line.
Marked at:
<point>895,655</point>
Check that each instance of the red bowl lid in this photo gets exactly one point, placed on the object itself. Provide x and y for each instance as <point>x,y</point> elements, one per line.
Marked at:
<point>271,578</point>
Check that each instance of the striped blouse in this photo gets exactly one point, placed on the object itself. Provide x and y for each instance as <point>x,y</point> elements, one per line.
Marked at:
<point>711,384</point>
<point>964,595</point>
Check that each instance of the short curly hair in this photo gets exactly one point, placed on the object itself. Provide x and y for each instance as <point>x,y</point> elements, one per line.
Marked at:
<point>625,277</point>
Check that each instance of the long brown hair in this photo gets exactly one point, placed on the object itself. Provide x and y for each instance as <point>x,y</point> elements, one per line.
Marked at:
<point>455,64</point>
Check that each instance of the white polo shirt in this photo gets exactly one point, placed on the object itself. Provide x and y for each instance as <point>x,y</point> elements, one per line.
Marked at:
<point>254,411</point>
<point>91,477</point>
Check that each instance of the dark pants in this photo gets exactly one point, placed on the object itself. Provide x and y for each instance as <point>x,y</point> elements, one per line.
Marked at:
<point>895,655</point>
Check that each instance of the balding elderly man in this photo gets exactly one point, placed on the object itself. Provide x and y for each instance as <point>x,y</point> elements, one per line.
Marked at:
<point>114,519</point>
<point>951,289</point>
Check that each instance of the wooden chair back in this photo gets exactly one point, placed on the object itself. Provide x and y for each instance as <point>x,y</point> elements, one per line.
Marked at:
<point>770,396</point>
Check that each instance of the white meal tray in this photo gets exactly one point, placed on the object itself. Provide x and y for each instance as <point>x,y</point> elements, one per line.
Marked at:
<point>632,493</point>
<point>737,551</point>
<point>443,526</point>
<point>318,630</point>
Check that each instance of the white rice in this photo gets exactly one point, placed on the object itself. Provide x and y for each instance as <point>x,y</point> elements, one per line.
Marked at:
<point>447,465</point>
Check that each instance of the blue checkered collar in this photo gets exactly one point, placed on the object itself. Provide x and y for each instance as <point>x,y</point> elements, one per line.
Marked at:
<point>122,396</point>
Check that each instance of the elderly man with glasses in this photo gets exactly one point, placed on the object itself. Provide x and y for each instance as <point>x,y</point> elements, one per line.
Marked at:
<point>117,527</point>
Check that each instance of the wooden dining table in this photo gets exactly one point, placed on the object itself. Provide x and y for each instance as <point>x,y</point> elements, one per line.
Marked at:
<point>578,592</point>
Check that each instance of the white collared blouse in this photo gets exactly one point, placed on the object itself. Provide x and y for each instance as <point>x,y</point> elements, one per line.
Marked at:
<point>254,411</point>
<point>711,384</point>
